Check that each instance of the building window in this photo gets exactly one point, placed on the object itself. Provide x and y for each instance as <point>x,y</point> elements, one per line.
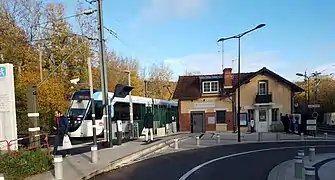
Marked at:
<point>262,115</point>
<point>210,86</point>
<point>262,87</point>
<point>275,113</point>
<point>220,117</point>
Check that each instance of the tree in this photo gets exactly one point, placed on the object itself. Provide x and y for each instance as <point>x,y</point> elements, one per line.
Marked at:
<point>64,57</point>
<point>325,94</point>
<point>160,75</point>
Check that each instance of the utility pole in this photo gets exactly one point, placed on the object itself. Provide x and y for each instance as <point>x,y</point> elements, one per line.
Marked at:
<point>40,54</point>
<point>33,116</point>
<point>104,85</point>
<point>145,88</point>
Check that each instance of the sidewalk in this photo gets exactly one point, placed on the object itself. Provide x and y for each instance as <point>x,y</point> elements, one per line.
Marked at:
<point>80,166</point>
<point>227,138</point>
<point>285,170</point>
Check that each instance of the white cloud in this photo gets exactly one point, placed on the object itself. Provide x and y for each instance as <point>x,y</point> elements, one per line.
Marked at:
<point>208,63</point>
<point>162,10</point>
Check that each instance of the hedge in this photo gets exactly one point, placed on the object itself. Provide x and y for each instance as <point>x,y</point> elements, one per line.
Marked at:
<point>24,163</point>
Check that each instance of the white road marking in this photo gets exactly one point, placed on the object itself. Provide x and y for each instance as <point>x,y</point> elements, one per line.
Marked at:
<point>193,170</point>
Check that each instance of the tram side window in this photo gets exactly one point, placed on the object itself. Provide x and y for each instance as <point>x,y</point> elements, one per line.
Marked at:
<point>89,114</point>
<point>98,110</point>
<point>121,111</point>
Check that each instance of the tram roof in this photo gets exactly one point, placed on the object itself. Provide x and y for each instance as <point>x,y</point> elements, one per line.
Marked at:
<point>135,99</point>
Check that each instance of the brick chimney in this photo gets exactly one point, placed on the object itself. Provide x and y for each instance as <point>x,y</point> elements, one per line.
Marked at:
<point>227,78</point>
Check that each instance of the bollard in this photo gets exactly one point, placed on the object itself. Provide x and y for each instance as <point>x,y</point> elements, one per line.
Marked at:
<point>94,154</point>
<point>302,136</point>
<point>311,153</point>
<point>217,139</point>
<point>310,173</point>
<point>277,136</point>
<point>298,166</point>
<point>175,143</point>
<point>301,153</point>
<point>198,141</point>
<point>326,135</point>
<point>260,136</point>
<point>2,177</point>
<point>58,160</point>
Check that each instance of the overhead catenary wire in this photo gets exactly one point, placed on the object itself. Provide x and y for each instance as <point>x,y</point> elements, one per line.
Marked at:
<point>53,71</point>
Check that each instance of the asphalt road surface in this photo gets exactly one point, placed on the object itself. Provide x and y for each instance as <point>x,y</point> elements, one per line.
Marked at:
<point>255,166</point>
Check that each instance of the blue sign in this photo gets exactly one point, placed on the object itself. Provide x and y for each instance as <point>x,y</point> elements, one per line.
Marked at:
<point>3,72</point>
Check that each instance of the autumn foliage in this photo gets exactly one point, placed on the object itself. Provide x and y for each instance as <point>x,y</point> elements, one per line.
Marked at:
<point>28,27</point>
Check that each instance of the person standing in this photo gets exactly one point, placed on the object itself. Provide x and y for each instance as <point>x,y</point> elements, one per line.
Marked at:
<point>61,127</point>
<point>149,124</point>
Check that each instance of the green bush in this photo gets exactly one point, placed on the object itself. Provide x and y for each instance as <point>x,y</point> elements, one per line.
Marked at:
<point>24,163</point>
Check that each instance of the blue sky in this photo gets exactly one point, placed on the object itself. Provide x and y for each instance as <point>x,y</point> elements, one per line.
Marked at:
<point>299,34</point>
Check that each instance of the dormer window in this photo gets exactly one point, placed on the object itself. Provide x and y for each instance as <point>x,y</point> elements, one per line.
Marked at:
<point>210,87</point>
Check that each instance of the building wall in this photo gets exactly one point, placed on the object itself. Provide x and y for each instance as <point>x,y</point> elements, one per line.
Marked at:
<point>281,93</point>
<point>209,105</point>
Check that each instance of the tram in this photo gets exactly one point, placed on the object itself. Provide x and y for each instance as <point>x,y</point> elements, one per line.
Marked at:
<point>80,115</point>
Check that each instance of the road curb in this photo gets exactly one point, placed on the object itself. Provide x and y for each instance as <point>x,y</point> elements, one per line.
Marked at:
<point>141,153</point>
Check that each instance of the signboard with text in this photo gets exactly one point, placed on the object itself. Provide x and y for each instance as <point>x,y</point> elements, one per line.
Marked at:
<point>8,126</point>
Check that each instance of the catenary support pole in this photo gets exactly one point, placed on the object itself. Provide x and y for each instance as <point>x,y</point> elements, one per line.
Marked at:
<point>104,85</point>
<point>33,116</point>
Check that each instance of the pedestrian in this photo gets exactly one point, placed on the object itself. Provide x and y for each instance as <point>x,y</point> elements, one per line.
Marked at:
<point>149,124</point>
<point>61,127</point>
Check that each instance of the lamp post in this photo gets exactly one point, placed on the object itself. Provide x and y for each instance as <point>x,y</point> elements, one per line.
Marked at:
<point>239,36</point>
<point>131,114</point>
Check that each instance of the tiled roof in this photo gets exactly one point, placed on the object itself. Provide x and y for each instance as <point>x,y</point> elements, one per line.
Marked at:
<point>188,87</point>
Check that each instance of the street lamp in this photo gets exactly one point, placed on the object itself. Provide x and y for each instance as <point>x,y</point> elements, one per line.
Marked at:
<point>239,36</point>
<point>131,114</point>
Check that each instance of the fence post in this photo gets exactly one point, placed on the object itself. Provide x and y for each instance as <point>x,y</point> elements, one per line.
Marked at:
<point>58,160</point>
<point>309,173</point>
<point>298,165</point>
<point>217,139</point>
<point>197,140</point>
<point>94,153</point>
<point>8,146</point>
<point>2,177</point>
<point>311,153</point>
<point>175,143</point>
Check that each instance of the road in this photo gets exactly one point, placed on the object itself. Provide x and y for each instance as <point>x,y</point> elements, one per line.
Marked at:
<point>254,165</point>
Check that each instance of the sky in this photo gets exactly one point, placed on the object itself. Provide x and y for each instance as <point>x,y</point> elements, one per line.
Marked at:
<point>298,36</point>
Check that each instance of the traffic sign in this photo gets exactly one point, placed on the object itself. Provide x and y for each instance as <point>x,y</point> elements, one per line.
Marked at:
<point>311,128</point>
<point>313,105</point>
<point>315,115</point>
<point>311,121</point>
